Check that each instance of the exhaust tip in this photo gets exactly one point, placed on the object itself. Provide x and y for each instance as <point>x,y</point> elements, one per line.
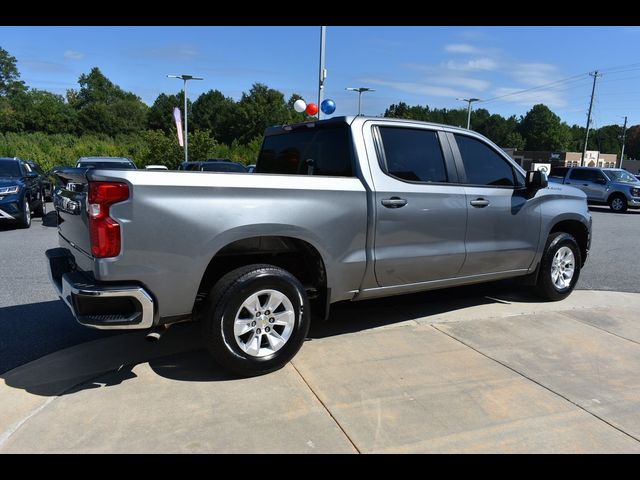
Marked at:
<point>153,336</point>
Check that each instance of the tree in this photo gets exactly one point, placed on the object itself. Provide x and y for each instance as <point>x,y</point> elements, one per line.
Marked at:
<point>543,130</point>
<point>608,139</point>
<point>10,82</point>
<point>214,112</point>
<point>47,112</point>
<point>104,107</point>
<point>258,109</point>
<point>632,142</point>
<point>160,115</point>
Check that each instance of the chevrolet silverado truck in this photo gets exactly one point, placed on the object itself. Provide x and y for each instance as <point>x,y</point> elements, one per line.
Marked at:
<point>603,186</point>
<point>349,208</point>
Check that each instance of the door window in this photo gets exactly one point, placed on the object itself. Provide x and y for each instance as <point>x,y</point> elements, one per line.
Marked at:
<point>413,154</point>
<point>483,165</point>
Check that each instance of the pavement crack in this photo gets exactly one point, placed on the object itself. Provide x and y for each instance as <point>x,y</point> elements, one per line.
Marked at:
<point>435,327</point>
<point>7,434</point>
<point>344,432</point>
<point>599,328</point>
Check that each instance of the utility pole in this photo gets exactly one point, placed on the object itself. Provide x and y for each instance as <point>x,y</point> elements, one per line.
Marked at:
<point>185,78</point>
<point>624,133</point>
<point>595,76</point>
<point>323,71</point>
<point>469,102</point>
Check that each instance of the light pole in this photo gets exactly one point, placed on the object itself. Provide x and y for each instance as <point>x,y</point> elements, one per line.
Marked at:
<point>184,78</point>
<point>323,71</point>
<point>360,90</point>
<point>469,101</point>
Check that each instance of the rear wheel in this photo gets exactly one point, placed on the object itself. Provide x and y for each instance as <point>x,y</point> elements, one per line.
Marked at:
<point>25,221</point>
<point>559,267</point>
<point>618,203</point>
<point>255,319</point>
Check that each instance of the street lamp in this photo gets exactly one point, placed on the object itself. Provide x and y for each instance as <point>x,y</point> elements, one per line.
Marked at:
<point>184,78</point>
<point>469,101</point>
<point>360,90</point>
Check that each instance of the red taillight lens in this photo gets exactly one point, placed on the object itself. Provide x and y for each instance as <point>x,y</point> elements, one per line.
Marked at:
<point>104,230</point>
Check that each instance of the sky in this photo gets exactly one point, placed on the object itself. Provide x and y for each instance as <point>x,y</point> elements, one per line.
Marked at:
<point>418,65</point>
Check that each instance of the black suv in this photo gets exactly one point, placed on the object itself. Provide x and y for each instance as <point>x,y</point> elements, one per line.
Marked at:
<point>21,192</point>
<point>214,165</point>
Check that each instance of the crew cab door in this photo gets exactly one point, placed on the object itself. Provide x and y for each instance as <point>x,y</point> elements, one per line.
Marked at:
<point>420,214</point>
<point>503,222</point>
<point>590,181</point>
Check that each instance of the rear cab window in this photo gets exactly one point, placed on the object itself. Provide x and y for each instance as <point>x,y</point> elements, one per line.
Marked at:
<point>308,149</point>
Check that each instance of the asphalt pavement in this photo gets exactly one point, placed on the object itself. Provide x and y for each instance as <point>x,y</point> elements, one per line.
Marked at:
<point>34,322</point>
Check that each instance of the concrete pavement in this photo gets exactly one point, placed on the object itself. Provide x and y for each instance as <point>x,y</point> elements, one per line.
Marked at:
<point>485,374</point>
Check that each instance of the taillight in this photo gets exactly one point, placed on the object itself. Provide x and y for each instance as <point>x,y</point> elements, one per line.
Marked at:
<point>104,230</point>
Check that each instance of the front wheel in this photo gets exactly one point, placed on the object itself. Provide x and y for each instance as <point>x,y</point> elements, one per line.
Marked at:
<point>25,221</point>
<point>255,319</point>
<point>559,267</point>
<point>618,203</point>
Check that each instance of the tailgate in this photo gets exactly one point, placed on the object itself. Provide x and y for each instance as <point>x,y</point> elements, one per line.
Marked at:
<point>70,201</point>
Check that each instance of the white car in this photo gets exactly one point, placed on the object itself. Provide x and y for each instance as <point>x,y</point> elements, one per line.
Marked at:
<point>156,167</point>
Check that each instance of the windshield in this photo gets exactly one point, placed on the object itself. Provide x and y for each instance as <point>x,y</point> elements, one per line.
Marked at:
<point>106,165</point>
<point>9,169</point>
<point>621,176</point>
<point>222,167</point>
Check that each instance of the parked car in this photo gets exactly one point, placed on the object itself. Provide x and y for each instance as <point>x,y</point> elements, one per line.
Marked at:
<point>106,163</point>
<point>603,186</point>
<point>354,208</point>
<point>21,192</point>
<point>213,166</point>
<point>251,169</point>
<point>46,180</point>
<point>156,167</point>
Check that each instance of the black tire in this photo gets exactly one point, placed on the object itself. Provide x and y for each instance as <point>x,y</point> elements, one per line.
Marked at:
<point>39,211</point>
<point>25,220</point>
<point>545,286</point>
<point>618,203</point>
<point>225,301</point>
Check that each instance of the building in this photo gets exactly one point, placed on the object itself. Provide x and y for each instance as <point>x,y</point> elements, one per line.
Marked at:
<point>593,158</point>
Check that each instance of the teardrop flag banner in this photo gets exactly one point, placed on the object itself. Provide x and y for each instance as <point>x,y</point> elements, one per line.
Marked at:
<point>178,119</point>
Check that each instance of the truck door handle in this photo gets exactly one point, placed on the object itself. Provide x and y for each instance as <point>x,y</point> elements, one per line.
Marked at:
<point>479,203</point>
<point>394,202</point>
<point>585,184</point>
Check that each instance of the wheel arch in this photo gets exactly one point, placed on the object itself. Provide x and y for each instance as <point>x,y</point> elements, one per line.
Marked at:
<point>297,256</point>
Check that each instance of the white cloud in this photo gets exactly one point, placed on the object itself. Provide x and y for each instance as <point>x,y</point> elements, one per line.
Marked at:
<point>416,88</point>
<point>535,74</point>
<point>477,64</point>
<point>472,83</point>
<point>73,55</point>
<point>549,97</point>
<point>461,48</point>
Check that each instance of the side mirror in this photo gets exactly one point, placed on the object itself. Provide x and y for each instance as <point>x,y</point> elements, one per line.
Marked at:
<point>600,181</point>
<point>32,175</point>
<point>535,180</point>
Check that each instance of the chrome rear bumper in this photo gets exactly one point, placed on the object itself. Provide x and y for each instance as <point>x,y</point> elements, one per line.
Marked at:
<point>106,307</point>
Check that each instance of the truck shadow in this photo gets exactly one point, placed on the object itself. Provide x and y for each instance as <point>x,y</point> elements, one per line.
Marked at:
<point>109,360</point>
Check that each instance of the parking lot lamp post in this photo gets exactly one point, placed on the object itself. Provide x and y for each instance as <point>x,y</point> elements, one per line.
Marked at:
<point>360,91</point>
<point>469,102</point>
<point>185,78</point>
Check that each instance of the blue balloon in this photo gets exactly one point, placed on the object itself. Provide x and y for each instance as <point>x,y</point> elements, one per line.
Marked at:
<point>328,106</point>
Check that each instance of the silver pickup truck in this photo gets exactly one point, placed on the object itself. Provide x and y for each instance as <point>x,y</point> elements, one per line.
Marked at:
<point>349,208</point>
